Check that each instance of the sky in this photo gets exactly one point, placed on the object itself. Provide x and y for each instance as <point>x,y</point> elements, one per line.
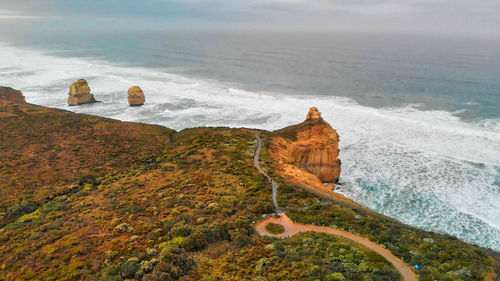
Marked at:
<point>481,18</point>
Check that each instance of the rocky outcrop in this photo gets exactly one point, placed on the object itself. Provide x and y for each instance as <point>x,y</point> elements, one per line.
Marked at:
<point>79,93</point>
<point>313,114</point>
<point>311,146</point>
<point>306,156</point>
<point>136,96</point>
<point>7,93</point>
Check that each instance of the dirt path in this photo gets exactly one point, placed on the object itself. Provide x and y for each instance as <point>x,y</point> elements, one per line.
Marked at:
<point>292,228</point>
<point>273,183</point>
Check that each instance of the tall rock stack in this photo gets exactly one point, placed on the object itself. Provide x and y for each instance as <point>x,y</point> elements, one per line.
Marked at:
<point>79,93</point>
<point>136,96</point>
<point>311,146</point>
<point>317,148</point>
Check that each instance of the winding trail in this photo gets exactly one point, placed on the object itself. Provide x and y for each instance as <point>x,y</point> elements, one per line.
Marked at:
<point>273,183</point>
<point>292,228</point>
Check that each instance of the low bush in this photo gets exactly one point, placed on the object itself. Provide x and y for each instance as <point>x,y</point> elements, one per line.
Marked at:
<point>275,228</point>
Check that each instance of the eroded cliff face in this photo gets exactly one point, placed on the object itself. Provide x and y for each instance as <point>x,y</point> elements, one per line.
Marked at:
<point>311,146</point>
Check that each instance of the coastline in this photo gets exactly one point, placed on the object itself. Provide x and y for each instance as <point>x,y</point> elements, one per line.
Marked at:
<point>457,161</point>
<point>341,190</point>
<point>160,166</point>
<point>166,141</point>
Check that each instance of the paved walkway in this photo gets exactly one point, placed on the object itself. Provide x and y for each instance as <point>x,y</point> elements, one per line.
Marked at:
<point>292,228</point>
<point>273,183</point>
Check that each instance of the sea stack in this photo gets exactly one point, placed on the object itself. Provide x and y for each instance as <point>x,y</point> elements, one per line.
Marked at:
<point>311,146</point>
<point>136,96</point>
<point>313,114</point>
<point>79,93</point>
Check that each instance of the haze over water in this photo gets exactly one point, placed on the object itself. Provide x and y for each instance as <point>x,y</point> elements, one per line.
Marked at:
<point>418,116</point>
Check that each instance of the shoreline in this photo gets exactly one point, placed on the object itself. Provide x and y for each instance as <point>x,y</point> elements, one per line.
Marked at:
<point>19,117</point>
<point>259,129</point>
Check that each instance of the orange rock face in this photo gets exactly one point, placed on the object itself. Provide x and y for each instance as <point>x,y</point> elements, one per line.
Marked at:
<point>311,146</point>
<point>313,114</point>
<point>136,96</point>
<point>80,87</point>
<point>79,93</point>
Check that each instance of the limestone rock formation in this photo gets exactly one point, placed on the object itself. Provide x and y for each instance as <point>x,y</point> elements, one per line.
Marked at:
<point>79,93</point>
<point>136,96</point>
<point>313,114</point>
<point>311,146</point>
<point>7,93</point>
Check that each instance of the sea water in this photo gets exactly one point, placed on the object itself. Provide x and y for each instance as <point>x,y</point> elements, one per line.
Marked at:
<point>418,117</point>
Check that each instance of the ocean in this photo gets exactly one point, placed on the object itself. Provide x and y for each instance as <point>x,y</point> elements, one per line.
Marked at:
<point>418,116</point>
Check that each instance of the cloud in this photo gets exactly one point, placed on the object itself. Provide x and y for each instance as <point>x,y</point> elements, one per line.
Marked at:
<point>11,15</point>
<point>422,16</point>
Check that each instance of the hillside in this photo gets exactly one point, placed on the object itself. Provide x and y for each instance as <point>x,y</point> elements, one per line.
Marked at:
<point>89,198</point>
<point>45,152</point>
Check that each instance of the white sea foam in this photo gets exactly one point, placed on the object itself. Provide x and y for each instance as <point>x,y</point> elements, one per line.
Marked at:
<point>426,168</point>
<point>471,103</point>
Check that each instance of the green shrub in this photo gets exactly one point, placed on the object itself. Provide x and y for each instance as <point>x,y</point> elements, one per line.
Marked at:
<point>175,241</point>
<point>111,273</point>
<point>129,268</point>
<point>24,207</point>
<point>196,241</point>
<point>337,276</point>
<point>174,264</point>
<point>275,228</point>
<point>181,230</point>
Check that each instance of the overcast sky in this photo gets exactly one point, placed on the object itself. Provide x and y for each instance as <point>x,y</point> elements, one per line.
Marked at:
<point>480,17</point>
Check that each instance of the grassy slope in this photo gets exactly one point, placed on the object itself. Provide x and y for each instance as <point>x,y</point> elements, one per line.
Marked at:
<point>155,205</point>
<point>43,152</point>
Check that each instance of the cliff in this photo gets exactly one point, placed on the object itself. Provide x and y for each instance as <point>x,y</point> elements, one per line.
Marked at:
<point>9,94</point>
<point>307,154</point>
<point>313,147</point>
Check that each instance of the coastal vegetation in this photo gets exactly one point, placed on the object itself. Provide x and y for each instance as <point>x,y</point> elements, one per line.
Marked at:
<point>438,257</point>
<point>89,198</point>
<point>275,228</point>
<point>306,256</point>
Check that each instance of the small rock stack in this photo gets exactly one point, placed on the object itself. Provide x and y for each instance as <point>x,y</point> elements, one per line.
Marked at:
<point>79,93</point>
<point>313,114</point>
<point>136,96</point>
